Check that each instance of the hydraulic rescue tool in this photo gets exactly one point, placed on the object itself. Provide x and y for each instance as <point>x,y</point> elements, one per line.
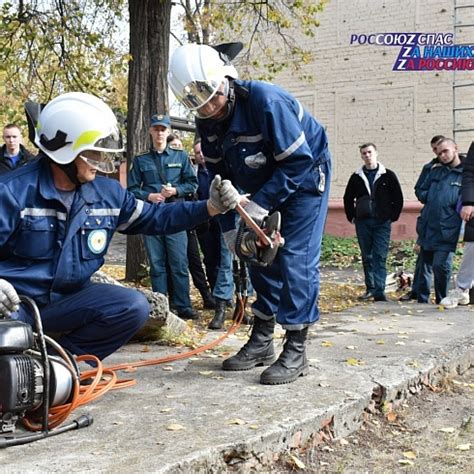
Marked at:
<point>40,389</point>
<point>32,381</point>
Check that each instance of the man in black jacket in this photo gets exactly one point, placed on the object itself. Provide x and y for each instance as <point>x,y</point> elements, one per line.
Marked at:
<point>465,278</point>
<point>13,154</point>
<point>373,200</point>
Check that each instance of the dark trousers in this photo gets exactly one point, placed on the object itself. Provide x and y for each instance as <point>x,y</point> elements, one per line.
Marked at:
<point>441,262</point>
<point>422,271</point>
<point>195,264</point>
<point>97,320</point>
<point>374,238</point>
<point>210,244</point>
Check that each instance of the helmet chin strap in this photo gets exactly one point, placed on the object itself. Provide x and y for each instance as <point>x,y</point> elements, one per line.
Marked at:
<point>71,172</point>
<point>229,104</point>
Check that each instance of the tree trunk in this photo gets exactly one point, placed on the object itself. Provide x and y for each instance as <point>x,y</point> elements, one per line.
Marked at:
<point>147,91</point>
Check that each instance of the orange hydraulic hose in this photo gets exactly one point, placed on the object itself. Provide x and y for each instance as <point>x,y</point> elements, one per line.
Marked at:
<point>105,378</point>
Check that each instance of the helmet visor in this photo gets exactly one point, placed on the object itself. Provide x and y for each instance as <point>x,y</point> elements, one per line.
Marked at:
<point>106,164</point>
<point>112,142</point>
<point>198,93</point>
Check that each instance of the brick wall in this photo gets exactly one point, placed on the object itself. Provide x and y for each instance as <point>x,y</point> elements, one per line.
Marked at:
<point>358,98</point>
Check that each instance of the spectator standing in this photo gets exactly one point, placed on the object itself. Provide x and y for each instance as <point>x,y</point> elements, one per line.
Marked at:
<point>373,199</point>
<point>465,277</point>
<point>165,174</point>
<point>439,223</point>
<point>194,257</point>
<point>13,154</point>
<point>420,266</point>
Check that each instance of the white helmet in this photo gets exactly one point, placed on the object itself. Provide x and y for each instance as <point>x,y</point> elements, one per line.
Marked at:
<point>196,72</point>
<point>75,122</point>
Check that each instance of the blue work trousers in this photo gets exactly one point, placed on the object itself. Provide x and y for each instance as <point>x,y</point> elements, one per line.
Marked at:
<point>97,320</point>
<point>170,248</point>
<point>289,288</point>
<point>441,262</point>
<point>374,238</point>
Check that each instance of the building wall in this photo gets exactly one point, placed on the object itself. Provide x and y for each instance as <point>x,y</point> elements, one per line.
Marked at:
<point>358,98</point>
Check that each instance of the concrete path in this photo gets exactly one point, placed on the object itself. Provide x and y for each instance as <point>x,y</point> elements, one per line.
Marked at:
<point>190,416</point>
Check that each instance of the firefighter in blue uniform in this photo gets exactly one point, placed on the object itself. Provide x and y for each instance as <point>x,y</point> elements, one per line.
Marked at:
<point>57,220</point>
<point>165,174</point>
<point>261,138</point>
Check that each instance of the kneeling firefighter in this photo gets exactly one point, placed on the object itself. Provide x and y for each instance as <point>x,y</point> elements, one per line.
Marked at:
<point>57,219</point>
<point>262,139</point>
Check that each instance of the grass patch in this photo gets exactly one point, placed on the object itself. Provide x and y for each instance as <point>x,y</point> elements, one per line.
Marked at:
<point>344,252</point>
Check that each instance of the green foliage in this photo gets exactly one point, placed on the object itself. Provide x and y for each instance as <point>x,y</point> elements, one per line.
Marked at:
<point>49,47</point>
<point>267,29</point>
<point>341,252</point>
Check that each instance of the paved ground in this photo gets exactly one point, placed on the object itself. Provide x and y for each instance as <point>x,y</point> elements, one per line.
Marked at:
<point>190,416</point>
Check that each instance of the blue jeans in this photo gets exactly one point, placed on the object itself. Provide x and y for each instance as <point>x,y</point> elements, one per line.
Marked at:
<point>224,287</point>
<point>441,262</point>
<point>374,238</point>
<point>98,319</point>
<point>170,248</point>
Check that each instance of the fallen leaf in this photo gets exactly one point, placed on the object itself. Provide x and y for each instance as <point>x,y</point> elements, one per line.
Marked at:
<point>380,342</point>
<point>236,421</point>
<point>343,442</point>
<point>326,344</point>
<point>218,377</point>
<point>254,427</point>
<point>165,410</point>
<point>406,462</point>
<point>448,430</point>
<point>296,461</point>
<point>463,447</point>
<point>352,361</point>
<point>175,427</point>
<point>352,348</point>
<point>399,343</point>
<point>324,385</point>
<point>145,349</point>
<point>206,372</point>
<point>167,368</point>
<point>391,416</point>
<point>409,455</point>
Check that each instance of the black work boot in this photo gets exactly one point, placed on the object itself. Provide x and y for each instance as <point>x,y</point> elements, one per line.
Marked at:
<point>208,301</point>
<point>219,316</point>
<point>257,351</point>
<point>292,361</point>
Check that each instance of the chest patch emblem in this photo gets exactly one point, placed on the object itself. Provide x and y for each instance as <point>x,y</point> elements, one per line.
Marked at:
<point>97,240</point>
<point>256,161</point>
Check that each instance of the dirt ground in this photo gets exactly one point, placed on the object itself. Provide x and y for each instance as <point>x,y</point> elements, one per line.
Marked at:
<point>433,432</point>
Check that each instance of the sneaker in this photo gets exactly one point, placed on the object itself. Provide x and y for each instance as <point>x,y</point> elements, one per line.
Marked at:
<point>455,297</point>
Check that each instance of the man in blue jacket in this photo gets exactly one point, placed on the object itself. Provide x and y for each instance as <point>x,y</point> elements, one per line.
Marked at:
<point>57,219</point>
<point>265,142</point>
<point>165,174</point>
<point>439,223</point>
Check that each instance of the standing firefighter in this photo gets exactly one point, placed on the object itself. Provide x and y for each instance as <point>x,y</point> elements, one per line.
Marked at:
<point>57,219</point>
<point>261,138</point>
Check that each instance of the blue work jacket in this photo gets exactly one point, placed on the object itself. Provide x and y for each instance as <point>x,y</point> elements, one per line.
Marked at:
<point>46,251</point>
<point>268,146</point>
<point>439,223</point>
<point>150,171</point>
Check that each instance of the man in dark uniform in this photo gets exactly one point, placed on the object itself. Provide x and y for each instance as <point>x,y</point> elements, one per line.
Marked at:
<point>165,174</point>
<point>13,154</point>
